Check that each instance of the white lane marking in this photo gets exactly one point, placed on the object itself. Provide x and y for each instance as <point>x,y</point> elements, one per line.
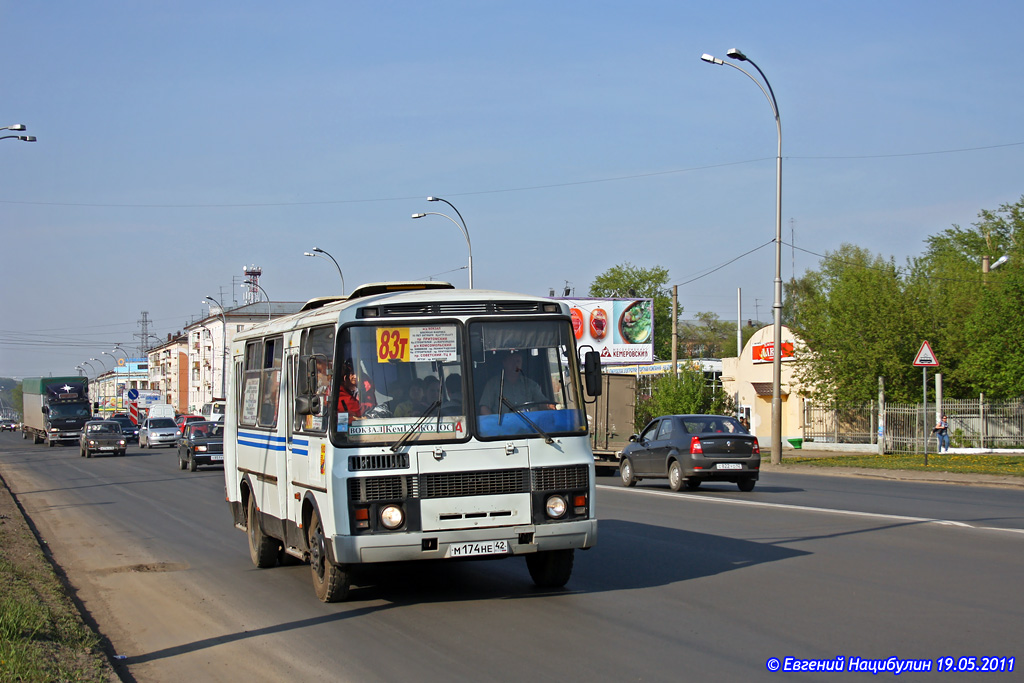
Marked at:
<point>807,508</point>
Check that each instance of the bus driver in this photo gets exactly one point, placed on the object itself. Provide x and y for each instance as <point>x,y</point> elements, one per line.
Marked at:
<point>513,385</point>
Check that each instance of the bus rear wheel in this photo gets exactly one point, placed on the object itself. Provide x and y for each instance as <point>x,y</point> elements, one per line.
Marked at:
<point>262,548</point>
<point>550,568</point>
<point>330,581</point>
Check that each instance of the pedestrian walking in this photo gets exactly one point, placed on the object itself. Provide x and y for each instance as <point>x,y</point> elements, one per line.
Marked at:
<point>942,434</point>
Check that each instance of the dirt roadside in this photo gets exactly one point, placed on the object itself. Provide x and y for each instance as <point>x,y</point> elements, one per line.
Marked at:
<point>71,646</point>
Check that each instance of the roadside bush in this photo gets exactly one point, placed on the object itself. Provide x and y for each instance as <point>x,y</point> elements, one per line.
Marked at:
<point>687,394</point>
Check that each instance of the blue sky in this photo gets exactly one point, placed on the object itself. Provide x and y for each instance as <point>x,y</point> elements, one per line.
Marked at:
<point>179,141</point>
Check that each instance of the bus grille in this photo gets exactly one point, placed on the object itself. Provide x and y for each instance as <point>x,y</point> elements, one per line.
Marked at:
<point>559,478</point>
<point>385,461</point>
<point>459,484</point>
<point>369,489</point>
<point>483,483</point>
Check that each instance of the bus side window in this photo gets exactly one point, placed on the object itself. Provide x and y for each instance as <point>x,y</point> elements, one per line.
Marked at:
<point>270,381</point>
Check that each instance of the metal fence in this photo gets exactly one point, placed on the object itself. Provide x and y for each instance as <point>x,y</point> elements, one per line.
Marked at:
<point>973,423</point>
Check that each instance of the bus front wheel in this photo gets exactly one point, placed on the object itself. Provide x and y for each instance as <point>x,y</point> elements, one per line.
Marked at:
<point>330,581</point>
<point>262,548</point>
<point>550,568</point>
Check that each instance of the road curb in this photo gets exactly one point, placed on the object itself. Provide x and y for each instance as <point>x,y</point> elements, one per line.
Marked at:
<point>900,475</point>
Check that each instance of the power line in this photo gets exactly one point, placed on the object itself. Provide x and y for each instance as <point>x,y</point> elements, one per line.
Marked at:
<point>524,188</point>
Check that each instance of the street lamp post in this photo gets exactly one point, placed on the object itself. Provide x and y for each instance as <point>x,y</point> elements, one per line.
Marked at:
<point>126,382</point>
<point>17,126</point>
<point>777,304</point>
<point>223,343</point>
<point>460,226</point>
<point>317,251</point>
<point>250,283</point>
<point>104,365</point>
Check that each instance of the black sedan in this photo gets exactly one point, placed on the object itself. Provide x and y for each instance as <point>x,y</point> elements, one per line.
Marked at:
<point>130,428</point>
<point>202,444</point>
<point>690,449</point>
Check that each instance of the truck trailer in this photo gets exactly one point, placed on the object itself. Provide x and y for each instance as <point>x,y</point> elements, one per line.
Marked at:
<point>55,409</point>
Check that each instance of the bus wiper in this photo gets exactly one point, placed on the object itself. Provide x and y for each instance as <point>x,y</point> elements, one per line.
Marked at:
<point>415,428</point>
<point>520,413</point>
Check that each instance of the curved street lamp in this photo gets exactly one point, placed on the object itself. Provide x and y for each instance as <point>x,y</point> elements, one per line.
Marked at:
<point>769,94</point>
<point>223,344</point>
<point>460,226</point>
<point>17,126</point>
<point>250,283</point>
<point>116,378</point>
<point>317,251</point>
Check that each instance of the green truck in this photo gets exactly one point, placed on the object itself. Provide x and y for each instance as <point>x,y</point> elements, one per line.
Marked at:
<point>55,409</point>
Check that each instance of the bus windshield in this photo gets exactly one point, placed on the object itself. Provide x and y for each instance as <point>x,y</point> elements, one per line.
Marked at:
<point>394,381</point>
<point>408,382</point>
<point>525,380</point>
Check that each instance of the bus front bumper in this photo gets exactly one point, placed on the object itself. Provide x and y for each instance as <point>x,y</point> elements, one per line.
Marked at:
<point>521,540</point>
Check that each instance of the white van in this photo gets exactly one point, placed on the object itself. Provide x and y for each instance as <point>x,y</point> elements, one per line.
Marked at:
<point>161,410</point>
<point>213,411</point>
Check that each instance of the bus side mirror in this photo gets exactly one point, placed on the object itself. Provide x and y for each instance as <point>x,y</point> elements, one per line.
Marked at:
<point>310,375</point>
<point>307,405</point>
<point>592,372</point>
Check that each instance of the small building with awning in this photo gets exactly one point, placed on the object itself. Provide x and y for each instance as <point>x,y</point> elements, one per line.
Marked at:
<point>749,380</point>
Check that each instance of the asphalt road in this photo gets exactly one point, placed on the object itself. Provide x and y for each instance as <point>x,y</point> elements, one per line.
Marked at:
<point>707,585</point>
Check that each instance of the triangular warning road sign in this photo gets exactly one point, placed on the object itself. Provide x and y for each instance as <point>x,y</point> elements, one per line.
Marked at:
<point>925,357</point>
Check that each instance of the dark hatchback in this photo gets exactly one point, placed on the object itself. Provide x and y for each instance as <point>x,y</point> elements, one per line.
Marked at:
<point>690,449</point>
<point>201,445</point>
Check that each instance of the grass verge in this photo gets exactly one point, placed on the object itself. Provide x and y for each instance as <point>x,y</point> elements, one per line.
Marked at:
<point>1007,465</point>
<point>42,635</point>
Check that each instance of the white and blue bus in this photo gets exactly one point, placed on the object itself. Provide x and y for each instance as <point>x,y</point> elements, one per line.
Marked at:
<point>412,421</point>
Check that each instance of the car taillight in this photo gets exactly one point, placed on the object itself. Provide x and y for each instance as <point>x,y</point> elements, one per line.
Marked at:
<point>757,449</point>
<point>695,446</point>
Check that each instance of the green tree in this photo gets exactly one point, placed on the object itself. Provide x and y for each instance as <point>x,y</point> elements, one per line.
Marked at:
<point>859,323</point>
<point>974,318</point>
<point>687,394</point>
<point>627,280</point>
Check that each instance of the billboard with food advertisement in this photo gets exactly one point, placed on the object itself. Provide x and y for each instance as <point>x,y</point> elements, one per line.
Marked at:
<point>622,330</point>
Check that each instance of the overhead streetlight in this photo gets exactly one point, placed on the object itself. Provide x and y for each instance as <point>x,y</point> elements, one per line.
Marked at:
<point>317,251</point>
<point>250,283</point>
<point>462,227</point>
<point>17,126</point>
<point>100,362</point>
<point>769,94</point>
<point>465,231</point>
<point>223,343</point>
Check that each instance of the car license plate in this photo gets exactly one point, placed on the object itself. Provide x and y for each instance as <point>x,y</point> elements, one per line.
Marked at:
<point>478,548</point>
<point>108,448</point>
<point>729,466</point>
<point>216,457</point>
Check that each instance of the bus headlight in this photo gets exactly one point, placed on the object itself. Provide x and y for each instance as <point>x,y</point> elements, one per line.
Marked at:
<point>392,517</point>
<point>555,507</point>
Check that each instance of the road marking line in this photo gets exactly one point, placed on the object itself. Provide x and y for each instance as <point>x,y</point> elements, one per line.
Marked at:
<point>807,508</point>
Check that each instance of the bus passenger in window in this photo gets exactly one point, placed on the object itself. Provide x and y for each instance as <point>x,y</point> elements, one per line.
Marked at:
<point>415,404</point>
<point>348,392</point>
